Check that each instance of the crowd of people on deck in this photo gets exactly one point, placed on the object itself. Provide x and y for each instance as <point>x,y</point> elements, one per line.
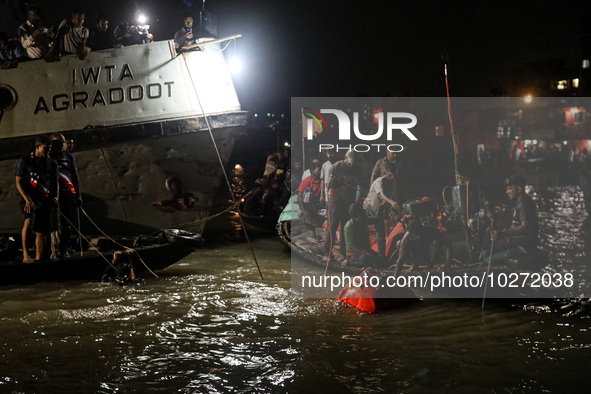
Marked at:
<point>36,39</point>
<point>272,192</point>
<point>336,196</point>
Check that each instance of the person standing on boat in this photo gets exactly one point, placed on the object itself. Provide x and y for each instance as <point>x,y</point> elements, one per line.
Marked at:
<point>132,31</point>
<point>359,251</point>
<point>381,202</point>
<point>380,167</point>
<point>36,181</point>
<point>521,237</point>
<point>99,37</point>
<point>343,190</point>
<point>69,190</point>
<point>184,37</point>
<point>309,192</point>
<point>324,173</point>
<point>35,38</point>
<point>10,52</point>
<point>72,36</point>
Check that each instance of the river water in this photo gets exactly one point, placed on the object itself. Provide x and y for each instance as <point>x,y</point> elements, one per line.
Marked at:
<point>210,324</point>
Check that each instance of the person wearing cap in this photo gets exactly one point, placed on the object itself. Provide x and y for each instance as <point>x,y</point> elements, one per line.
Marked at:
<point>359,251</point>
<point>522,236</point>
<point>343,190</point>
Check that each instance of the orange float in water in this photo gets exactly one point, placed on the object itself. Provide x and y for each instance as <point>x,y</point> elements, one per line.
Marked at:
<point>378,298</point>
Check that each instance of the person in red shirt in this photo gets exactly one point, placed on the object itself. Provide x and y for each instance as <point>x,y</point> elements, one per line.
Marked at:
<point>309,197</point>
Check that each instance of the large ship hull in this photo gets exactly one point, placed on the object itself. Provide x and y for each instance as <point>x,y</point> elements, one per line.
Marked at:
<point>138,115</point>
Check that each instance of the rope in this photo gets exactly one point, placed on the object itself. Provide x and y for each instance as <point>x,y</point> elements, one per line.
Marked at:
<point>206,219</point>
<point>443,195</point>
<point>117,243</point>
<point>225,175</point>
<point>78,214</point>
<point>330,232</point>
<point>114,185</point>
<point>87,240</point>
<point>492,244</point>
<point>452,131</point>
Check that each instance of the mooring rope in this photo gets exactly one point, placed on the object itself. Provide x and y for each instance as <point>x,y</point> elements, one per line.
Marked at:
<point>117,243</point>
<point>225,175</point>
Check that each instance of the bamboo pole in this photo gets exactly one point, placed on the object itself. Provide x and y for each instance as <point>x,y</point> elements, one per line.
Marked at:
<point>232,37</point>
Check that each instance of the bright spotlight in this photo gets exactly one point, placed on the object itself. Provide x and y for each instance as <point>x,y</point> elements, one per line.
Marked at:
<point>142,19</point>
<point>235,65</point>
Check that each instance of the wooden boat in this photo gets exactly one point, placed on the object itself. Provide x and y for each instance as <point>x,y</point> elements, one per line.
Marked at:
<point>155,252</point>
<point>257,223</point>
<point>299,238</point>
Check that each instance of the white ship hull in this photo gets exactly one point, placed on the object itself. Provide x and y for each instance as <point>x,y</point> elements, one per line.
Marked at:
<point>138,115</point>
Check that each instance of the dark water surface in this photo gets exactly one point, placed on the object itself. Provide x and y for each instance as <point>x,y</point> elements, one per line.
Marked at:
<point>209,324</point>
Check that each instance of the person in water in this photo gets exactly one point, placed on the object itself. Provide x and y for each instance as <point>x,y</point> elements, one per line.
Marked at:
<point>521,237</point>
<point>422,246</point>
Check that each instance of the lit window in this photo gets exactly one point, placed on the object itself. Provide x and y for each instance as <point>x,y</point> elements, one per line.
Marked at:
<point>585,63</point>
<point>576,83</point>
<point>560,85</point>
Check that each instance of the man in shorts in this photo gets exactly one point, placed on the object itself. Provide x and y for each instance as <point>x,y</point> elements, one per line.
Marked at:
<point>36,181</point>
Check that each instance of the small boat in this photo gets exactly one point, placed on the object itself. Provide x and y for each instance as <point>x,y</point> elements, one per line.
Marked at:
<point>155,252</point>
<point>257,223</point>
<point>300,239</point>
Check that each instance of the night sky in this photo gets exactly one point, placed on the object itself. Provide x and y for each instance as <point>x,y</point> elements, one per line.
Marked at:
<point>377,48</point>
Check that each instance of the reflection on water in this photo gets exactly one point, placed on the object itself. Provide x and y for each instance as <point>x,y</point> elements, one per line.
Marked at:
<point>208,324</point>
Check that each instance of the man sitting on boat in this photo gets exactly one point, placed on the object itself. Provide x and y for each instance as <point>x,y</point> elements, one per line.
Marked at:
<point>381,202</point>
<point>422,246</point>
<point>521,237</point>
<point>359,251</point>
